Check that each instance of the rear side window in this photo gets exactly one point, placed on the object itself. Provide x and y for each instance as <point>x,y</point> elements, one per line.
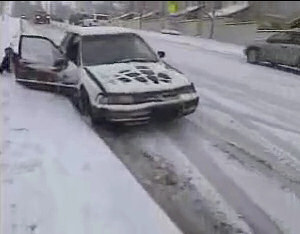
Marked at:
<point>72,49</point>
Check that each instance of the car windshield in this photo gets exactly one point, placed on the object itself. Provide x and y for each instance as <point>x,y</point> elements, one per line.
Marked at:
<point>285,38</point>
<point>108,49</point>
<point>101,17</point>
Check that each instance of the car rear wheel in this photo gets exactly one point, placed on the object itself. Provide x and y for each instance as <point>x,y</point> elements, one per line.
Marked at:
<point>252,56</point>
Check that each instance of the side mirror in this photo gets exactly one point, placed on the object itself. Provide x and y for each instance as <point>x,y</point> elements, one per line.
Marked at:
<point>61,63</point>
<point>161,54</point>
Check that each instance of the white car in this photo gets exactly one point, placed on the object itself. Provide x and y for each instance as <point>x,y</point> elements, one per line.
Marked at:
<point>111,73</point>
<point>88,22</point>
<point>101,19</point>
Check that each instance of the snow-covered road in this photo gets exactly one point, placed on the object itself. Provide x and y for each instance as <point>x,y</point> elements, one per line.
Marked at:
<point>244,137</point>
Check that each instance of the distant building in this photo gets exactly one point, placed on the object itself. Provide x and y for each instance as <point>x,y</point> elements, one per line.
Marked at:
<point>287,9</point>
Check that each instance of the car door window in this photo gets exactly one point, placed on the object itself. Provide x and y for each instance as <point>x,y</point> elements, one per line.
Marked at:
<point>66,41</point>
<point>72,51</point>
<point>284,38</point>
<point>39,50</point>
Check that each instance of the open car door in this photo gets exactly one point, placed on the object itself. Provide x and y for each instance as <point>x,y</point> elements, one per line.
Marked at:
<point>41,64</point>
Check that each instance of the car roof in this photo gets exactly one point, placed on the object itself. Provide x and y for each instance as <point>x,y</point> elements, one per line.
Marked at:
<point>89,31</point>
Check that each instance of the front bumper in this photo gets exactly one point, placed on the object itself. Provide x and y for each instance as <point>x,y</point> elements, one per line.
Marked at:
<point>143,113</point>
<point>41,21</point>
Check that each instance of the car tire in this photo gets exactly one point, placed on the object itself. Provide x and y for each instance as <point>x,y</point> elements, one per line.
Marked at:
<point>85,106</point>
<point>252,56</point>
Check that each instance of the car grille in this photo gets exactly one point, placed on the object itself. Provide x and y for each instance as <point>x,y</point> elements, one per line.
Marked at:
<point>161,96</point>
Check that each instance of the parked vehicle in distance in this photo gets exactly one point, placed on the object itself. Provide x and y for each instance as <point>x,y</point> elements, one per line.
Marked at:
<point>88,22</point>
<point>280,48</point>
<point>41,17</point>
<point>111,73</point>
<point>101,19</point>
<point>82,19</point>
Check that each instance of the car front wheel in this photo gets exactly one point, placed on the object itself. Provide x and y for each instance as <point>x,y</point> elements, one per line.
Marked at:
<point>85,106</point>
<point>252,56</point>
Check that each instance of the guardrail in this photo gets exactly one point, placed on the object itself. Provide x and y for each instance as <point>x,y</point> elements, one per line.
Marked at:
<point>275,30</point>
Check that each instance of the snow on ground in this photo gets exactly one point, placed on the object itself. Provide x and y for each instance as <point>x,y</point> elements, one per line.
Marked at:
<point>254,109</point>
<point>210,45</point>
<point>58,176</point>
<point>281,205</point>
<point>154,142</point>
<point>215,200</point>
<point>231,9</point>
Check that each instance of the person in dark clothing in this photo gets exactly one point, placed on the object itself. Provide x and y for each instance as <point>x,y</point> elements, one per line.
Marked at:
<point>5,64</point>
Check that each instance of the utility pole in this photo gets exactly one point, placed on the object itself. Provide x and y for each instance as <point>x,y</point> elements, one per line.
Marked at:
<point>211,18</point>
<point>162,15</point>
<point>141,13</point>
<point>1,7</point>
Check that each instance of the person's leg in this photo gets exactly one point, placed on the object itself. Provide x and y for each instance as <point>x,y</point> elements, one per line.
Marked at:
<point>6,66</point>
<point>1,66</point>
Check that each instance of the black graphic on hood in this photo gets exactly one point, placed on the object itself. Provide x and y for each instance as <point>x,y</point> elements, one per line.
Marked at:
<point>143,75</point>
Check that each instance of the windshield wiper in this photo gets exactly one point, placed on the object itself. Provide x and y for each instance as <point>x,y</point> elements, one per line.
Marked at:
<point>135,60</point>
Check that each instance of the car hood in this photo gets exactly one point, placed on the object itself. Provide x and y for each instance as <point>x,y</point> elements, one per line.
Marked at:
<point>137,77</point>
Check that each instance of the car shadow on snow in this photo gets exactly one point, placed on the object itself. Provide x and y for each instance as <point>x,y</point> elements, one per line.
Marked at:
<point>123,128</point>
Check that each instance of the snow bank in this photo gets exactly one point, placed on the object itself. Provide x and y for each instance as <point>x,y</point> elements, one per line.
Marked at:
<point>58,176</point>
<point>207,44</point>
<point>229,10</point>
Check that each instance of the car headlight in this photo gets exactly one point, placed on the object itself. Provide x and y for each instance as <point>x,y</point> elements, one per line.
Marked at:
<point>48,17</point>
<point>115,99</point>
<point>121,99</point>
<point>101,99</point>
<point>37,17</point>
<point>188,89</point>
